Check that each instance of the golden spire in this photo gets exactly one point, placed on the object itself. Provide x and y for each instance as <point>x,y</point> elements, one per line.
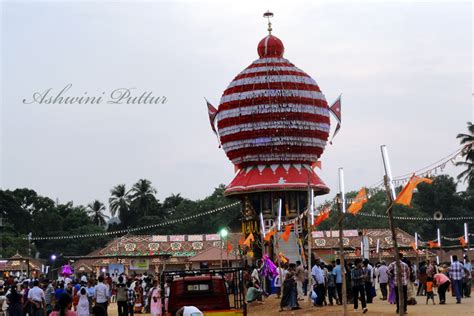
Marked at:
<point>269,15</point>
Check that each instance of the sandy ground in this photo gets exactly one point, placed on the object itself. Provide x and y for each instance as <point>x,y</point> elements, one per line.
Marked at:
<point>271,308</point>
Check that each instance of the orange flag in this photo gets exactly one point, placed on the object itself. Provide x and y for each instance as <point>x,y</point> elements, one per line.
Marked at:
<point>241,240</point>
<point>462,241</point>
<point>283,258</point>
<point>229,247</point>
<point>359,201</point>
<point>269,235</point>
<point>321,217</point>
<point>404,197</point>
<point>413,245</point>
<point>432,244</point>
<point>249,240</point>
<point>286,234</point>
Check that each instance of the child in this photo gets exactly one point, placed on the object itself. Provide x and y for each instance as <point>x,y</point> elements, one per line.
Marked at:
<point>429,290</point>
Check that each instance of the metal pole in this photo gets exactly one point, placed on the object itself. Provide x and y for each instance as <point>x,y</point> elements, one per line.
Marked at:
<point>391,197</point>
<point>310,219</point>
<point>341,254</point>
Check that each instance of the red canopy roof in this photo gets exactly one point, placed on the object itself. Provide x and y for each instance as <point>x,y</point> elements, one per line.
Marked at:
<point>281,177</point>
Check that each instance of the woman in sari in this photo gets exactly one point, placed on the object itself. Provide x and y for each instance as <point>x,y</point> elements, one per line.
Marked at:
<point>391,292</point>
<point>139,298</point>
<point>289,299</point>
<point>155,299</point>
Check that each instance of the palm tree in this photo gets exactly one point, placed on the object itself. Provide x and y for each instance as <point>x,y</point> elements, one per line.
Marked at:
<point>467,140</point>
<point>119,202</point>
<point>143,195</point>
<point>96,213</point>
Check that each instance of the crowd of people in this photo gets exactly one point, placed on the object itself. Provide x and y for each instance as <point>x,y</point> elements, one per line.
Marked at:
<point>83,296</point>
<point>363,281</point>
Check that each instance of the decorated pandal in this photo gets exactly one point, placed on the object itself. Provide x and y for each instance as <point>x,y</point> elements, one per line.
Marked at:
<point>273,124</point>
<point>151,253</point>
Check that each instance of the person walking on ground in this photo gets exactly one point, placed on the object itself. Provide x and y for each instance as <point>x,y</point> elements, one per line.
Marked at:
<point>37,299</point>
<point>429,290</point>
<point>14,302</point>
<point>383,279</point>
<point>332,292</point>
<point>405,276</point>
<point>456,273</point>
<point>467,278</point>
<point>131,295</point>
<point>83,303</point>
<point>64,305</point>
<point>368,270</point>
<point>337,272</point>
<point>319,286</point>
<point>156,307</point>
<point>358,278</point>
<point>101,294</point>
<point>442,282</point>
<point>122,297</point>
<point>299,276</point>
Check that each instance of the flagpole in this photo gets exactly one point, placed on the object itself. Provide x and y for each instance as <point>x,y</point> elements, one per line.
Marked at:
<point>391,198</point>
<point>310,236</point>
<point>341,209</point>
<point>277,246</point>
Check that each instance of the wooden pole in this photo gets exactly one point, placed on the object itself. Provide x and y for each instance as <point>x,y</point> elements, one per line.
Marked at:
<point>310,237</point>
<point>341,254</point>
<point>391,197</point>
<point>401,308</point>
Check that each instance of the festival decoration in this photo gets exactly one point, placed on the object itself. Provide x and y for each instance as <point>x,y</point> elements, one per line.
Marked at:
<point>212,111</point>
<point>324,215</point>
<point>405,196</point>
<point>359,201</point>
<point>433,244</point>
<point>286,234</point>
<point>249,240</point>
<point>66,270</point>
<point>269,268</point>
<point>336,111</point>
<point>269,234</point>
<point>462,241</point>
<point>229,247</point>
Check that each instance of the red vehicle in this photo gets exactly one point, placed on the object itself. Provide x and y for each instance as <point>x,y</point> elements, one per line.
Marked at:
<point>206,290</point>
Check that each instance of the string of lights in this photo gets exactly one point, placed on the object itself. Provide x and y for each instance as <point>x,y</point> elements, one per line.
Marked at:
<point>136,229</point>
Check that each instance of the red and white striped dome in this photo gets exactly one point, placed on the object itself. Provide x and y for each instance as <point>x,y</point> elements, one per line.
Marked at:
<point>273,112</point>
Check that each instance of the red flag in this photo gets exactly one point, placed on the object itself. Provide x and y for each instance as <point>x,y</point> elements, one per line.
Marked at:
<point>229,247</point>
<point>269,235</point>
<point>321,217</point>
<point>335,109</point>
<point>286,234</point>
<point>212,112</point>
<point>462,241</point>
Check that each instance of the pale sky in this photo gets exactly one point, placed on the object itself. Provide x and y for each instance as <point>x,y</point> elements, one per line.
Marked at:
<point>404,70</point>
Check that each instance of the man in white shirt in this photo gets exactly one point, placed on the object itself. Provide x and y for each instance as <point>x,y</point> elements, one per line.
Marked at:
<point>37,300</point>
<point>101,294</point>
<point>319,286</point>
<point>383,279</point>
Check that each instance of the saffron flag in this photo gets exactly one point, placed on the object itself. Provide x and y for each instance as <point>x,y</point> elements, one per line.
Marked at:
<point>317,164</point>
<point>241,240</point>
<point>283,258</point>
<point>462,241</point>
<point>286,234</point>
<point>324,215</point>
<point>212,112</point>
<point>335,109</point>
<point>269,235</point>
<point>405,196</point>
<point>229,247</point>
<point>413,245</point>
<point>249,239</point>
<point>432,244</point>
<point>359,201</point>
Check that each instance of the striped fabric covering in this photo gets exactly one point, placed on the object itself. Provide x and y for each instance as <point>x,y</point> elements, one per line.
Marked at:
<point>273,112</point>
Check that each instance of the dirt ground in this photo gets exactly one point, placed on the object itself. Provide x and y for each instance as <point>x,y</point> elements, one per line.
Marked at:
<point>271,308</point>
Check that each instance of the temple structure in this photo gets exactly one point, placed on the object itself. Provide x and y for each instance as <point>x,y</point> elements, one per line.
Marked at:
<point>273,124</point>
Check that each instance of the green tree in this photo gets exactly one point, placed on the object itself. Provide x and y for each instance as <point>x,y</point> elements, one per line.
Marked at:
<point>119,202</point>
<point>96,210</point>
<point>467,140</point>
<point>143,197</point>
